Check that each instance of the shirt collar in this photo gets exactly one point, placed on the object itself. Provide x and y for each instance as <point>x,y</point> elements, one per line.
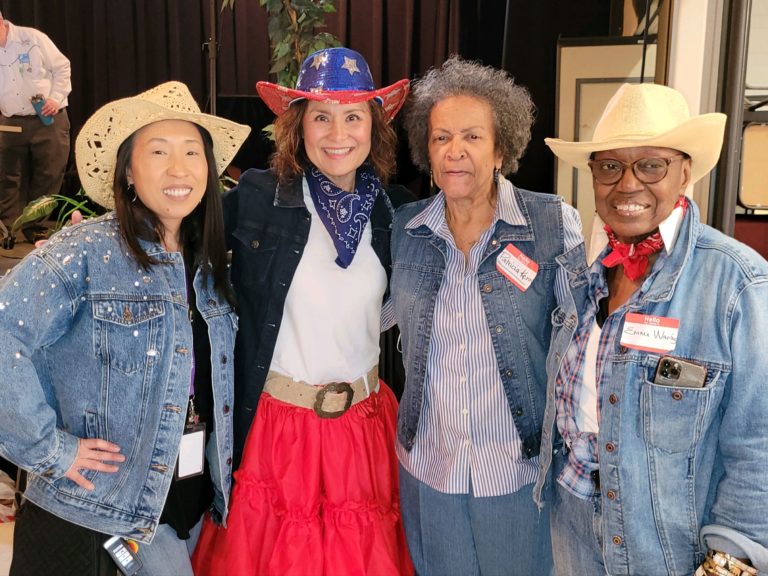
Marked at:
<point>669,228</point>
<point>507,209</point>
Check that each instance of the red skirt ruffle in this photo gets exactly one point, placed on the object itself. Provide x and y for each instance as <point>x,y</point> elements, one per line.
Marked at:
<point>313,496</point>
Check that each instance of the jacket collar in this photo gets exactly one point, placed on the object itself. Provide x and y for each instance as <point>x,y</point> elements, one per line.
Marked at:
<point>511,220</point>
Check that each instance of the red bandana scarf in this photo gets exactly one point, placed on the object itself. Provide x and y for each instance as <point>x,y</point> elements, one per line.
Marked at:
<point>634,257</point>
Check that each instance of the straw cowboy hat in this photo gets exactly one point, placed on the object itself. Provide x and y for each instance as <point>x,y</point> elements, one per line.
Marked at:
<point>103,133</point>
<point>650,115</point>
<point>336,76</point>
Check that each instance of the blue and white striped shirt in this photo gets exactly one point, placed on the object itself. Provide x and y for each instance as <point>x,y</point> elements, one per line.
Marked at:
<point>466,438</point>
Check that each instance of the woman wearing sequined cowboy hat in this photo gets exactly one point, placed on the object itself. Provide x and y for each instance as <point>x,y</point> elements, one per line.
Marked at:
<point>655,436</point>
<point>316,490</point>
<point>473,286</point>
<point>116,337</point>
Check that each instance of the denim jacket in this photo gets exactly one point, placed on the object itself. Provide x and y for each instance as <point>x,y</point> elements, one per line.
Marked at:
<point>681,469</point>
<point>516,319</point>
<point>267,229</point>
<point>93,346</point>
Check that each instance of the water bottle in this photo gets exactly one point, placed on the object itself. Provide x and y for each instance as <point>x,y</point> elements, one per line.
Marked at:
<point>37,103</point>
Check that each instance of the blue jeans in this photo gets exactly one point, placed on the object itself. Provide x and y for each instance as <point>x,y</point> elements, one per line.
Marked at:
<point>462,535</point>
<point>168,555</point>
<point>577,530</point>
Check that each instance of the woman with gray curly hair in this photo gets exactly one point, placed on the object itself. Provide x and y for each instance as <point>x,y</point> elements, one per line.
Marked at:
<point>473,287</point>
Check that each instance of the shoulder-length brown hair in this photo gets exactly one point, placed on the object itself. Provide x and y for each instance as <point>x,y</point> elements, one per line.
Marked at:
<point>290,158</point>
<point>202,231</point>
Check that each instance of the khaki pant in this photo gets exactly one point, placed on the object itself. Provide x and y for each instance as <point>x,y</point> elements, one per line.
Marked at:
<point>32,162</point>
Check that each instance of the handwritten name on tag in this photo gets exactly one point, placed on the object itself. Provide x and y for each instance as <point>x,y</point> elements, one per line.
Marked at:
<point>517,267</point>
<point>650,333</point>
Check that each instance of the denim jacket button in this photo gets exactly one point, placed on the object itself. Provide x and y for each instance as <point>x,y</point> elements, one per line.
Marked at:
<point>613,398</point>
<point>254,244</point>
<point>487,288</point>
<point>611,495</point>
<point>610,447</point>
<point>616,540</point>
<point>226,409</point>
<point>677,395</point>
<point>499,329</point>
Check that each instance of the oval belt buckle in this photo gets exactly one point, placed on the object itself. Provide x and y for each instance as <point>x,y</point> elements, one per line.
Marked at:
<point>337,387</point>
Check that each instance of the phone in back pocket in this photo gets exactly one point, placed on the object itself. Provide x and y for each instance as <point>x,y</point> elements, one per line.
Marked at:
<point>673,371</point>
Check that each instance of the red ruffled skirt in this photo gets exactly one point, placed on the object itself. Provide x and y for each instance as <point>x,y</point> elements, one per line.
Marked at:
<point>313,496</point>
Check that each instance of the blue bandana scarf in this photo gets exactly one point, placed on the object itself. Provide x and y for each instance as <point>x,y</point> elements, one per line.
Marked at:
<point>344,214</point>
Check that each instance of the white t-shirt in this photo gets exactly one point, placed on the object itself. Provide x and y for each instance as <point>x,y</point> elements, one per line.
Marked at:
<point>332,316</point>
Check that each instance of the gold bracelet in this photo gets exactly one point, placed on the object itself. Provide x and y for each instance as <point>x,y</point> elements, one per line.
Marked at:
<point>723,564</point>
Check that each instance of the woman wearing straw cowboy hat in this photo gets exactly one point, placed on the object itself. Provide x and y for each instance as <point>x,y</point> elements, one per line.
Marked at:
<point>655,437</point>
<point>316,491</point>
<point>115,340</point>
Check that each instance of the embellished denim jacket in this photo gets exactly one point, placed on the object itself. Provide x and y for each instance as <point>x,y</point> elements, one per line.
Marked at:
<point>93,346</point>
<point>681,469</point>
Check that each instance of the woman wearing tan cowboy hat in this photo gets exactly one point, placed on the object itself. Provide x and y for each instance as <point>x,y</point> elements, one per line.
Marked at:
<point>316,490</point>
<point>115,340</point>
<point>655,448</point>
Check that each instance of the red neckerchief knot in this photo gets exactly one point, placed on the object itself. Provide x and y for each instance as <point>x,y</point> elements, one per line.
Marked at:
<point>634,257</point>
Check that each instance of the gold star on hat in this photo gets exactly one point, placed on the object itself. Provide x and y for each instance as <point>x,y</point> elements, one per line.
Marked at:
<point>351,65</point>
<point>319,60</point>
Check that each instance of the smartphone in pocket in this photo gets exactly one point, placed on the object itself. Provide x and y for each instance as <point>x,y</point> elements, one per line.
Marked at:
<point>673,371</point>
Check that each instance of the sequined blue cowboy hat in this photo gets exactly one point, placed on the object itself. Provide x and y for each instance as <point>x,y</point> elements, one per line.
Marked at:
<point>336,76</point>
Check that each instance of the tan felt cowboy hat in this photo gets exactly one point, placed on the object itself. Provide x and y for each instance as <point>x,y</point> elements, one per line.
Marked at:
<point>97,143</point>
<point>336,76</point>
<point>649,115</point>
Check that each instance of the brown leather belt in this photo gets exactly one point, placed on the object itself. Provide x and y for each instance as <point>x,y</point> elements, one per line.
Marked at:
<point>329,400</point>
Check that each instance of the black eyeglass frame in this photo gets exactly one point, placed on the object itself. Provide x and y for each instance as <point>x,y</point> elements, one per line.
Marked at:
<point>639,175</point>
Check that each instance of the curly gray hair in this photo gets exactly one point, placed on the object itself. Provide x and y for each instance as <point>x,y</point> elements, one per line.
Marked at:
<point>512,107</point>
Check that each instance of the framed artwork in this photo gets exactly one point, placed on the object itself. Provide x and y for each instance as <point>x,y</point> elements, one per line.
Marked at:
<point>589,71</point>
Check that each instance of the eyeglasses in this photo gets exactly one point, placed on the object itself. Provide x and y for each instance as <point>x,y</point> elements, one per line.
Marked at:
<point>646,170</point>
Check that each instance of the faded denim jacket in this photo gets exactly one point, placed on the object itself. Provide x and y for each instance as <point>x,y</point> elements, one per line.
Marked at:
<point>516,320</point>
<point>687,467</point>
<point>93,346</point>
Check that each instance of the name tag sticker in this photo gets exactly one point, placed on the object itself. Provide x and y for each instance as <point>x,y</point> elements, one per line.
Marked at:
<point>650,333</point>
<point>517,267</point>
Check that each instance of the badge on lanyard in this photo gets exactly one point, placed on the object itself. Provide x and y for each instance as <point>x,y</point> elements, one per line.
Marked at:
<point>517,267</point>
<point>192,448</point>
<point>650,333</point>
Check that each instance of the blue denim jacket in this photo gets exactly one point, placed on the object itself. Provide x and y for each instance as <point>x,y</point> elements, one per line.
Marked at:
<point>689,466</point>
<point>516,319</point>
<point>93,346</point>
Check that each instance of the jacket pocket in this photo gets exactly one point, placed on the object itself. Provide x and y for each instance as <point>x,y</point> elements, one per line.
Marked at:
<point>675,418</point>
<point>125,332</point>
<point>254,254</point>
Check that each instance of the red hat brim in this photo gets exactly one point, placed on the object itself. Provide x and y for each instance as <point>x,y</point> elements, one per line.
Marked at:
<point>279,98</point>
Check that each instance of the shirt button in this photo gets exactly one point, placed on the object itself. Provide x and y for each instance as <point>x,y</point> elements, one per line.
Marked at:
<point>466,442</point>
<point>463,379</point>
<point>613,398</point>
<point>677,395</point>
<point>610,447</point>
<point>487,288</point>
<point>611,495</point>
<point>462,346</point>
<point>616,540</point>
<point>465,411</point>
